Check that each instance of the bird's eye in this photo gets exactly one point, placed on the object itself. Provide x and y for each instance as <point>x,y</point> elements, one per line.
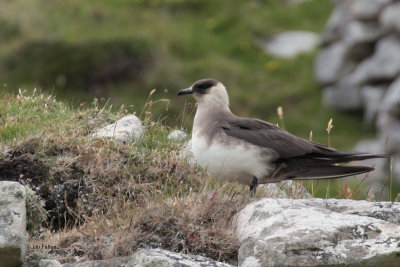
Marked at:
<point>203,86</point>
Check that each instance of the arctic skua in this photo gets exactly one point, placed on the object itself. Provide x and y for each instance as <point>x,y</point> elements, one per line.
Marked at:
<point>252,151</point>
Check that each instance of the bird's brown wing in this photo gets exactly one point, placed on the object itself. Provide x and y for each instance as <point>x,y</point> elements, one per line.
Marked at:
<point>268,135</point>
<point>297,158</point>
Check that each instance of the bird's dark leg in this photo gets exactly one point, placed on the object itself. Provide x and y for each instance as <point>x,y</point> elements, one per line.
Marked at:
<point>253,186</point>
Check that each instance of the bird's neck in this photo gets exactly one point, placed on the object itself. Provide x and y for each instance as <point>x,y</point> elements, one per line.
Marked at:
<point>206,114</point>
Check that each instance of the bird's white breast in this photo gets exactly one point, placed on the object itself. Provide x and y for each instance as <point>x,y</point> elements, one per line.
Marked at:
<point>231,159</point>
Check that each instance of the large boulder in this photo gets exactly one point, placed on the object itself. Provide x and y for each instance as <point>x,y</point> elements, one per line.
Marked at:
<point>13,235</point>
<point>152,258</point>
<point>49,263</point>
<point>318,232</point>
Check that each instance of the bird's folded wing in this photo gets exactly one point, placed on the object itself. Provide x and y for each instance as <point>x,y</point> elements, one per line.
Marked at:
<point>267,135</point>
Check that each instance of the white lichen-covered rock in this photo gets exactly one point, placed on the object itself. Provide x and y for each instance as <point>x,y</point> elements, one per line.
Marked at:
<point>13,235</point>
<point>153,258</point>
<point>294,189</point>
<point>290,44</point>
<point>49,263</point>
<point>123,130</point>
<point>177,135</point>
<point>318,232</point>
<point>271,190</point>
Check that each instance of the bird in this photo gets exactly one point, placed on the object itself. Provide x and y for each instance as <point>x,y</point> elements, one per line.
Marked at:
<point>252,151</point>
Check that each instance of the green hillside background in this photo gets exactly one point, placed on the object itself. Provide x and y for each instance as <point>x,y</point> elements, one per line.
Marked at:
<point>120,50</point>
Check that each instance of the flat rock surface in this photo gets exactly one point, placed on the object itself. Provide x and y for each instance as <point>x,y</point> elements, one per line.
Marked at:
<point>318,232</point>
<point>13,236</point>
<point>49,263</point>
<point>290,44</point>
<point>153,258</point>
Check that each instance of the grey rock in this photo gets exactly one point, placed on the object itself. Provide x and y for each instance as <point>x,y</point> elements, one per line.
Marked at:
<point>177,135</point>
<point>368,9</point>
<point>344,95</point>
<point>272,191</point>
<point>331,63</point>
<point>153,258</point>
<point>285,189</point>
<point>355,43</point>
<point>123,130</point>
<point>371,99</point>
<point>13,235</point>
<point>389,17</point>
<point>388,132</point>
<point>318,232</point>
<point>49,263</point>
<point>391,101</point>
<point>290,44</point>
<point>339,18</point>
<point>359,39</point>
<point>295,189</point>
<point>388,120</point>
<point>384,65</point>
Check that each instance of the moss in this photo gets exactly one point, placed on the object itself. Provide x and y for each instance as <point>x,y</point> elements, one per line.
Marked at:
<point>35,212</point>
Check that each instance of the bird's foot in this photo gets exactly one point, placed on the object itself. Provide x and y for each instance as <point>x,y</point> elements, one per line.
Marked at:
<point>253,186</point>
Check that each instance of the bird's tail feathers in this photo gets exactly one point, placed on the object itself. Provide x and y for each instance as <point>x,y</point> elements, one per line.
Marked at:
<point>332,172</point>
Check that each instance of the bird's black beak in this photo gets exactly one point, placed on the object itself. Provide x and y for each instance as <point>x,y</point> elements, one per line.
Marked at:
<point>186,91</point>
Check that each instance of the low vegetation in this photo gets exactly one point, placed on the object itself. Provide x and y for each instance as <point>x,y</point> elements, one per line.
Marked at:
<point>103,199</point>
<point>122,49</point>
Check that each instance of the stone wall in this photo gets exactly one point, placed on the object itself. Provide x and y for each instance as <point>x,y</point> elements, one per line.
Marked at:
<point>358,66</point>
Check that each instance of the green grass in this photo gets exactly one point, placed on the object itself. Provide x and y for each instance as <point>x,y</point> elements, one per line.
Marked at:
<point>132,195</point>
<point>174,42</point>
